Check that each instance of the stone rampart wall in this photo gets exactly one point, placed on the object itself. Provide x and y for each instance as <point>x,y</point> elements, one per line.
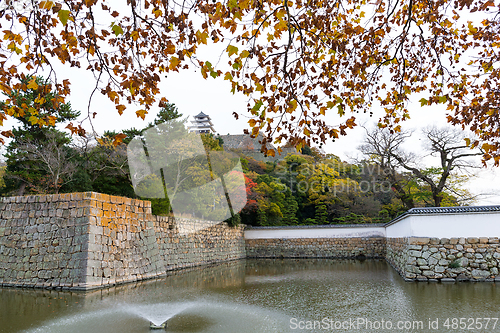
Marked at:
<point>396,254</point>
<point>43,240</point>
<point>90,240</point>
<point>453,259</point>
<point>369,247</point>
<point>187,243</point>
<point>414,258</point>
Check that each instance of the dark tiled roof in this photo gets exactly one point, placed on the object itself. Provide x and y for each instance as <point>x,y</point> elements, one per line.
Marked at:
<point>445,210</point>
<point>244,142</point>
<point>201,115</point>
<point>326,226</point>
<point>454,210</point>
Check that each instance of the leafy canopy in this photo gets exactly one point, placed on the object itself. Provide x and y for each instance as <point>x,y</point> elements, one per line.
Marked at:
<point>297,61</point>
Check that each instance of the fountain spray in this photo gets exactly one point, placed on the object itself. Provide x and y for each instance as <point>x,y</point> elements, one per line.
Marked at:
<point>154,326</point>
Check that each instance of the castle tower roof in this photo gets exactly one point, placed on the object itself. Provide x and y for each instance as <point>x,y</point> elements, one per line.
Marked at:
<point>202,124</point>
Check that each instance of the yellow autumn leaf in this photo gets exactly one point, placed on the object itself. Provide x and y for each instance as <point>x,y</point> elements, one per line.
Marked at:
<point>42,122</point>
<point>32,84</point>
<point>45,5</point>
<point>486,147</point>
<point>351,122</point>
<point>63,16</point>
<point>201,37</point>
<point>158,13</point>
<point>33,120</point>
<point>52,120</point>
<point>120,108</point>
<point>5,88</point>
<point>118,139</point>
<point>12,46</point>
<point>472,29</point>
<point>173,63</point>
<point>40,99</point>
<point>135,35</point>
<point>141,113</point>
<point>232,50</point>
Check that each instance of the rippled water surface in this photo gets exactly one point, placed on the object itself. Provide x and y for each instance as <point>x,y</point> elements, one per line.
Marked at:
<point>262,296</point>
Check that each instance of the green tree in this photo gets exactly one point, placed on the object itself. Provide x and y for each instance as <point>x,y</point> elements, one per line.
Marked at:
<point>321,215</point>
<point>39,159</point>
<point>107,166</point>
<point>290,208</point>
<point>104,166</point>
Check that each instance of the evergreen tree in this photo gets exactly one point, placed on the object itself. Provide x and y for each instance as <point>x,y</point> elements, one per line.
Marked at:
<point>261,216</point>
<point>290,209</point>
<point>39,158</point>
<point>321,215</point>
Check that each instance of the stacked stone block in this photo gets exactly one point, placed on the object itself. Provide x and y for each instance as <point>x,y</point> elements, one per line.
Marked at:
<point>447,259</point>
<point>369,247</point>
<point>90,240</point>
<point>200,242</point>
<point>43,240</point>
<point>397,254</point>
<point>122,243</point>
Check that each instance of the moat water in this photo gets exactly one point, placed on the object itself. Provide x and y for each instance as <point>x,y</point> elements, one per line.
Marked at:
<point>262,296</point>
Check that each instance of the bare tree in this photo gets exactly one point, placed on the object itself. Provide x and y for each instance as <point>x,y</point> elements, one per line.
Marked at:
<point>384,148</point>
<point>53,157</point>
<point>381,146</point>
<point>454,155</point>
<point>101,156</point>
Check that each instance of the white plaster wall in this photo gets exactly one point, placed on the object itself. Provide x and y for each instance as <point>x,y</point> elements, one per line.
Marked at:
<point>447,225</point>
<point>348,232</point>
<point>459,225</point>
<point>399,229</point>
<point>425,225</point>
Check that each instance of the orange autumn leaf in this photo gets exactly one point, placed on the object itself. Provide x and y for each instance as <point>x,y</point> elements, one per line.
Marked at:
<point>141,113</point>
<point>118,139</point>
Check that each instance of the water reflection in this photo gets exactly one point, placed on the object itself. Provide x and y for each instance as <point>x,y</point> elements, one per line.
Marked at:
<point>254,296</point>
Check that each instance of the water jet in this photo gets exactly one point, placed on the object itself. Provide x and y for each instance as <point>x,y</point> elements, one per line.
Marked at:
<point>154,326</point>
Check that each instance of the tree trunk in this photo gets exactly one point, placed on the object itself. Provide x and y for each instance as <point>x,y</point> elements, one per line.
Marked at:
<point>405,198</point>
<point>22,188</point>
<point>438,197</point>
